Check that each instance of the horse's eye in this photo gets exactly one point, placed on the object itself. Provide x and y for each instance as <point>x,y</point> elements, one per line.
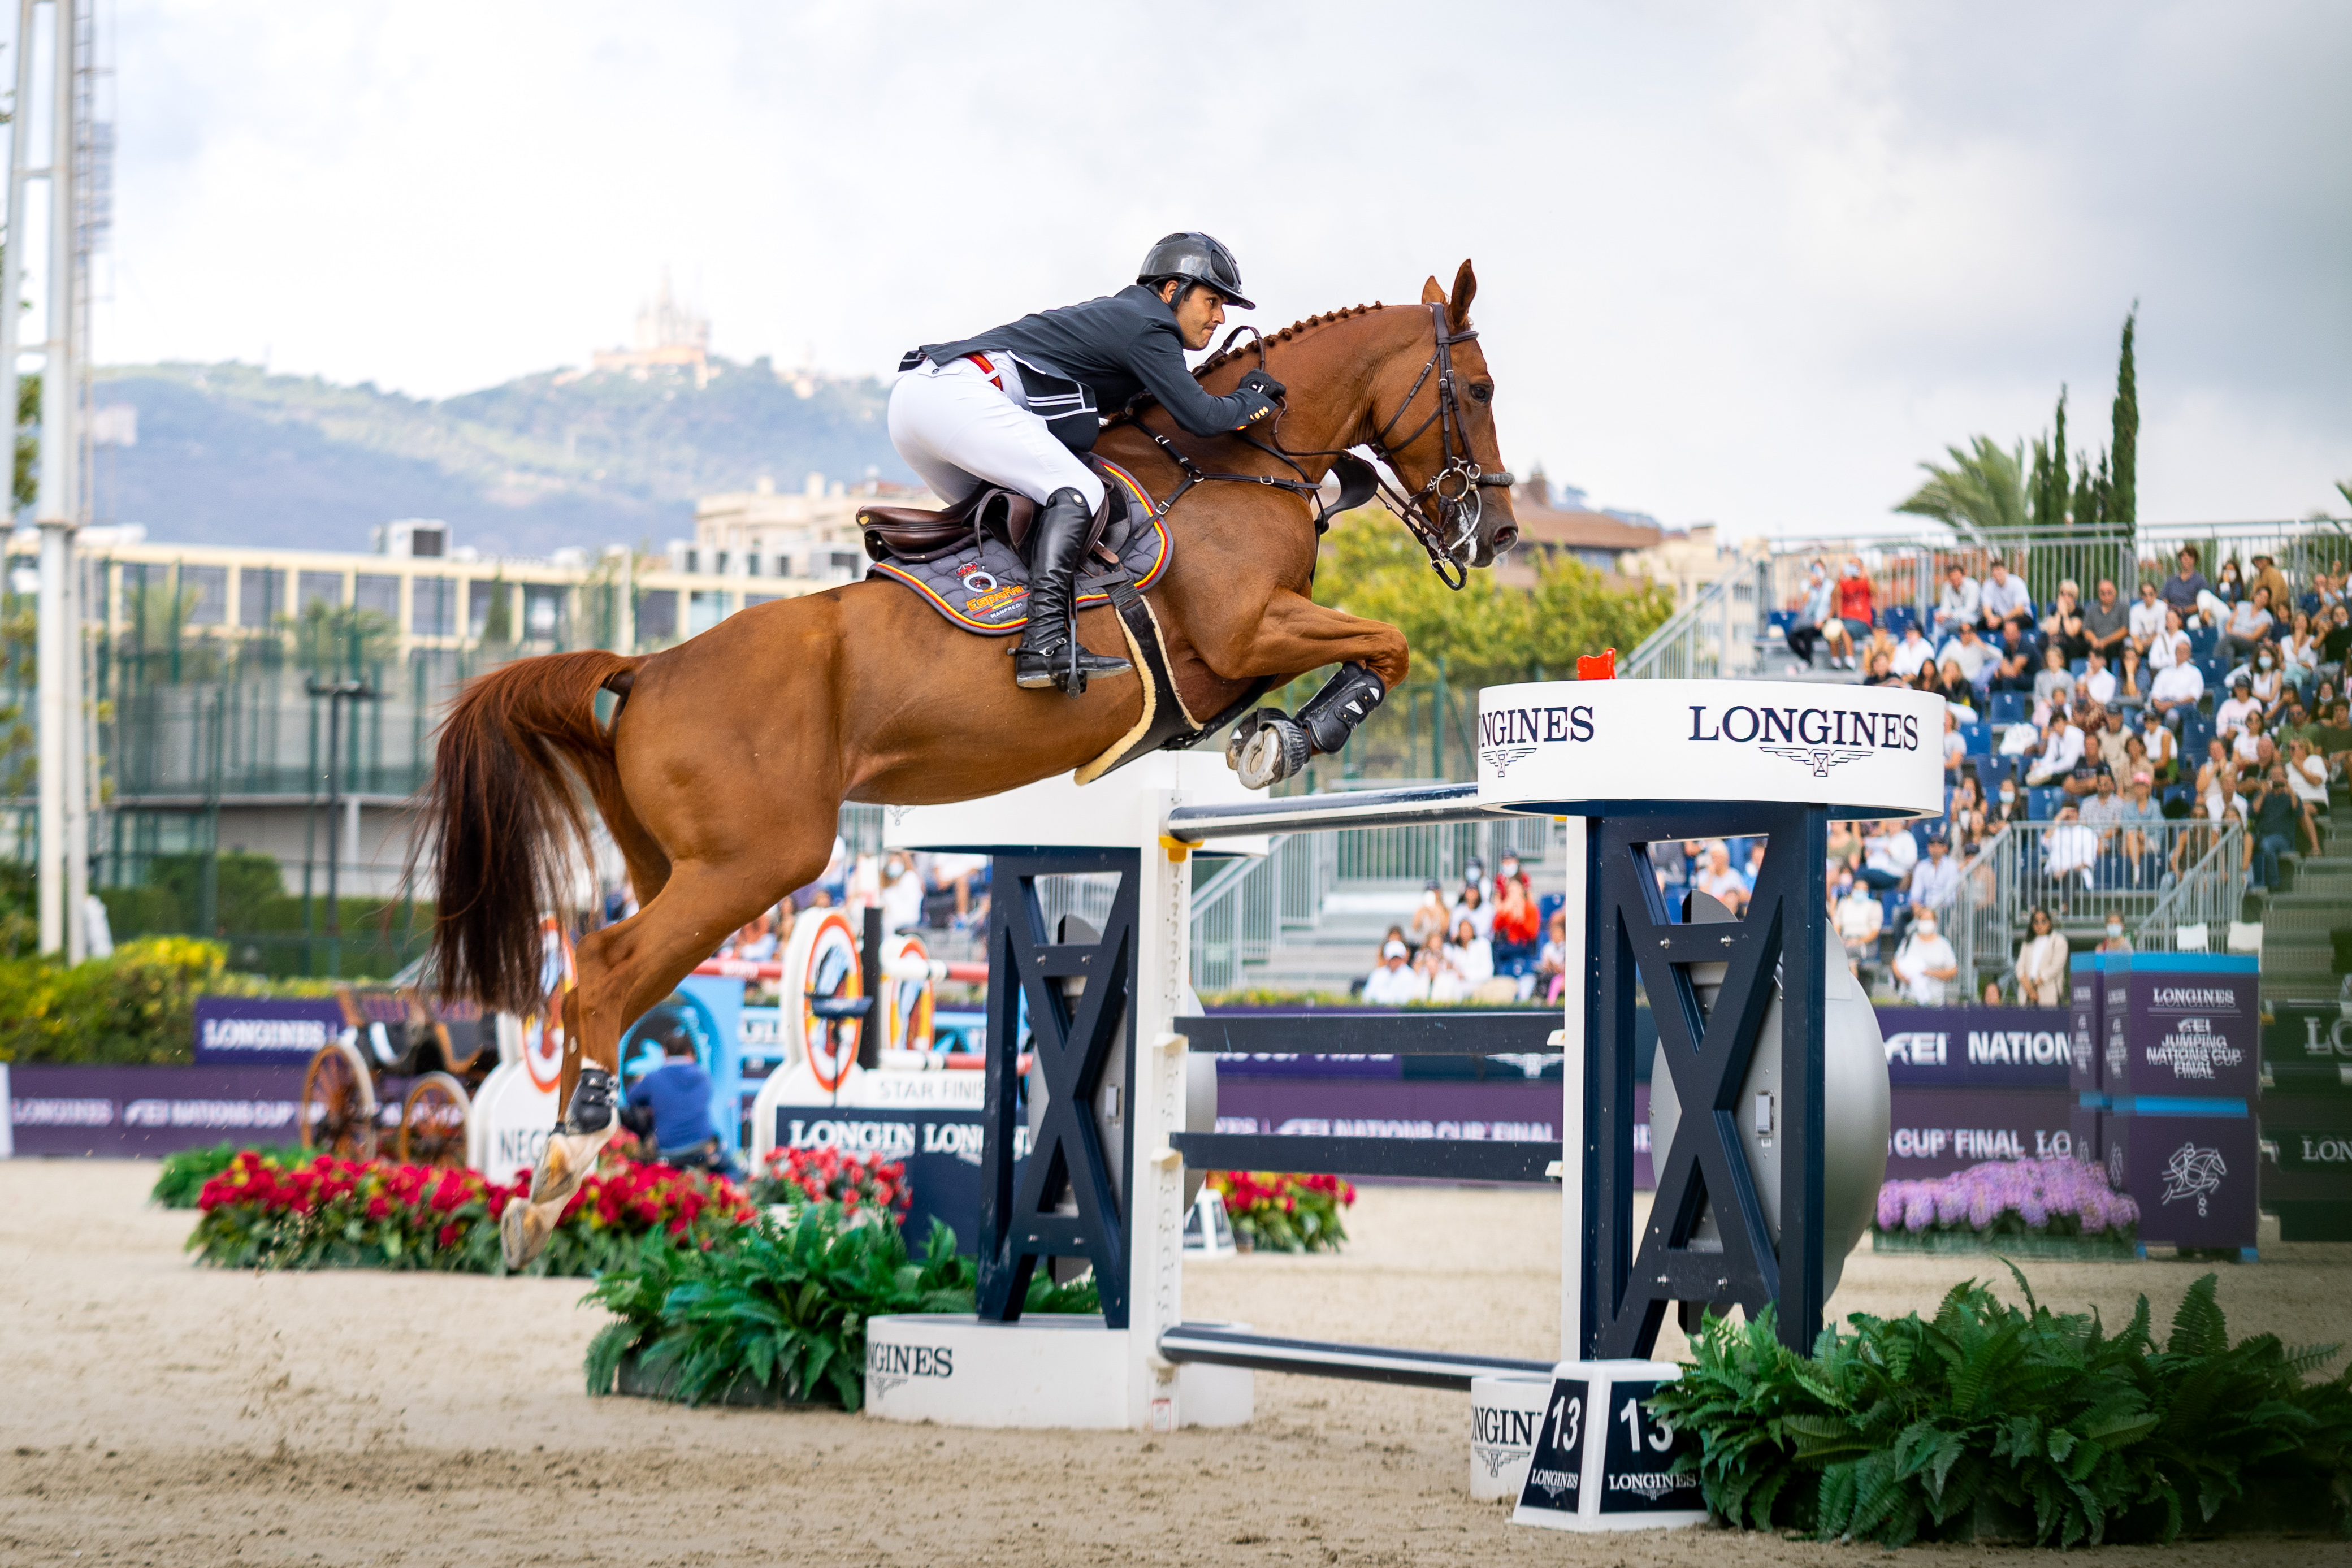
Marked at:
<point>1482,393</point>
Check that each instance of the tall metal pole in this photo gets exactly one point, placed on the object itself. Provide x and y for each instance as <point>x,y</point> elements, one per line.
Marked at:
<point>12,257</point>
<point>334,830</point>
<point>57,511</point>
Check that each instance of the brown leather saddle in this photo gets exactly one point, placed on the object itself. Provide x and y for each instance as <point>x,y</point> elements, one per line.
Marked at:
<point>917,533</point>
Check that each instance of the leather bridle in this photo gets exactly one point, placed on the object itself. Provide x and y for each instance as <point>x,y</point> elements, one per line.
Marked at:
<point>1452,490</point>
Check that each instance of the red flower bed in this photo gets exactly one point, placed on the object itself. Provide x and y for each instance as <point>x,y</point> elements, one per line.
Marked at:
<point>330,1213</point>
<point>827,1175</point>
<point>1284,1212</point>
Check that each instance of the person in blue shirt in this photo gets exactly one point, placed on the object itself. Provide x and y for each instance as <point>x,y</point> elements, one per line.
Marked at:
<point>677,1094</point>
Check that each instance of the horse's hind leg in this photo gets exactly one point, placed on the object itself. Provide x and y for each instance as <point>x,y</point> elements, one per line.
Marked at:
<point>624,970</point>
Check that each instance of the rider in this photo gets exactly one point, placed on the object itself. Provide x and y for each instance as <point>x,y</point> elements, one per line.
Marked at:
<point>1016,406</point>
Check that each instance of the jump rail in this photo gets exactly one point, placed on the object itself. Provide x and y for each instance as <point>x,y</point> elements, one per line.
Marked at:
<point>1319,1358</point>
<point>1409,807</point>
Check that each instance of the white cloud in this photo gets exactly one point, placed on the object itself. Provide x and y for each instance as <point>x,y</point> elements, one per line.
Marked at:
<point>1748,264</point>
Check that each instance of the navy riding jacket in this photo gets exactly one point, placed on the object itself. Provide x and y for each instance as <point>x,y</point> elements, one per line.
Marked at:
<point>1112,348</point>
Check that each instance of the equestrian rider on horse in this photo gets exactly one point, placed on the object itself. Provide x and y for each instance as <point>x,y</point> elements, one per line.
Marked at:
<point>1016,406</point>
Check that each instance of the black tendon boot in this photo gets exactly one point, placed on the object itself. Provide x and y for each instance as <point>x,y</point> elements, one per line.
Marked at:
<point>1049,653</point>
<point>1346,700</point>
<point>591,1109</point>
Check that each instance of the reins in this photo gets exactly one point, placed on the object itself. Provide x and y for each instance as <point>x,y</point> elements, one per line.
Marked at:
<point>1454,486</point>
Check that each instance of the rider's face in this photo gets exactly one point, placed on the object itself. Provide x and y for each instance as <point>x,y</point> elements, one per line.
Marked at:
<point>1199,315</point>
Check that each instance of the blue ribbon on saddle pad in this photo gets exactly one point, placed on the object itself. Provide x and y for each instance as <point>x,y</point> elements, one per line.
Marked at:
<point>985,588</point>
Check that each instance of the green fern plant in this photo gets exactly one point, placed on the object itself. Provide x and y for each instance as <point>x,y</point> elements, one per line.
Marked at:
<point>785,1311</point>
<point>1990,1419</point>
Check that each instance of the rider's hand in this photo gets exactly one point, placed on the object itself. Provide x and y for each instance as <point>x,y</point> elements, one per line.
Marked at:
<point>1257,381</point>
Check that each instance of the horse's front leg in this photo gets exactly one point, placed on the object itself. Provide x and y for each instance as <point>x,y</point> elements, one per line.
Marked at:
<point>1295,633</point>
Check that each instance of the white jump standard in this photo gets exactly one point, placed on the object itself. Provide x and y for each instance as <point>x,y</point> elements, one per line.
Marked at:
<point>1626,764</point>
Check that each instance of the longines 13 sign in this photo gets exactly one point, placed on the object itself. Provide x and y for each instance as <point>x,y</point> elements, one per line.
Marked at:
<point>1576,746</point>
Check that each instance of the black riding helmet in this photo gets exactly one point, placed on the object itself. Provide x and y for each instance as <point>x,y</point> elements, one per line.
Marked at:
<point>1193,257</point>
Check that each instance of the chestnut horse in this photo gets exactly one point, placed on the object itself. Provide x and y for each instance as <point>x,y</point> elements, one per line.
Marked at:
<point>721,776</point>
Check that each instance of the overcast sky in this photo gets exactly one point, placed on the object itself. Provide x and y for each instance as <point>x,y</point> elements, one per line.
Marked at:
<point>1742,263</point>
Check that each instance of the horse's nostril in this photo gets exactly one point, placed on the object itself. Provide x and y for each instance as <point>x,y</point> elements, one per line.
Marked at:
<point>1504,538</point>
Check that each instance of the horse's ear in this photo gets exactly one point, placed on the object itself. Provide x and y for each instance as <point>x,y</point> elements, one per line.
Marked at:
<point>1466,288</point>
<point>1432,292</point>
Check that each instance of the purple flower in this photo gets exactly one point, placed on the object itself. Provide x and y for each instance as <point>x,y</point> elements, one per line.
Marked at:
<point>1918,1212</point>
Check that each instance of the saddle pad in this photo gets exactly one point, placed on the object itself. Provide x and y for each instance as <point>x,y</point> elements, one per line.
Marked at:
<point>985,588</point>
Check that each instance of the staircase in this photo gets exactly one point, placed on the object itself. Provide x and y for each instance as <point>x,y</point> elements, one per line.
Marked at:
<point>2298,956</point>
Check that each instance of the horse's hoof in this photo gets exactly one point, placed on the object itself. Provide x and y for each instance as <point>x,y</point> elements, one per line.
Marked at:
<point>524,1229</point>
<point>568,1160</point>
<point>1277,750</point>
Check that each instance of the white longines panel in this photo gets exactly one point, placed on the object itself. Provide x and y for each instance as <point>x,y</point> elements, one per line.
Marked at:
<point>1587,747</point>
<point>1118,811</point>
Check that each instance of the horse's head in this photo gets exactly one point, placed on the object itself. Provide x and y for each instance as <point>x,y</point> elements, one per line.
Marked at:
<point>1433,417</point>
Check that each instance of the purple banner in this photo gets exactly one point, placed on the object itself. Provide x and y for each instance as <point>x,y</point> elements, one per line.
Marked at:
<point>1975,1047</point>
<point>2194,1176</point>
<point>265,1031</point>
<point>2192,1027</point>
<point>1270,1064</point>
<point>1935,1132</point>
<point>145,1111</point>
<point>1503,1109</point>
<point>2086,989</point>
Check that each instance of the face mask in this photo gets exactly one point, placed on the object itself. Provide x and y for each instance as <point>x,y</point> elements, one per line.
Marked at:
<point>2266,664</point>
<point>2008,795</point>
<point>2114,931</point>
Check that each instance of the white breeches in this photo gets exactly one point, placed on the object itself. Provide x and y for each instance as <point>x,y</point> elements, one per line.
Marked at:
<point>957,430</point>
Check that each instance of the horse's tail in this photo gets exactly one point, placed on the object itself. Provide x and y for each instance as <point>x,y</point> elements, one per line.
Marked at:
<point>506,818</point>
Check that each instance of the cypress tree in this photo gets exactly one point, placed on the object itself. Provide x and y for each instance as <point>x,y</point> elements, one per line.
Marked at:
<point>2086,493</point>
<point>2123,486</point>
<point>2055,502</point>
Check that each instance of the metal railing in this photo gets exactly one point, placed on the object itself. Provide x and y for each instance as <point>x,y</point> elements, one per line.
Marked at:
<point>1713,635</point>
<point>1248,909</point>
<point>2157,877</point>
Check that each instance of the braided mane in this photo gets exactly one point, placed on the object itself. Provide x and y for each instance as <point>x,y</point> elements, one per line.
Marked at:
<point>1241,349</point>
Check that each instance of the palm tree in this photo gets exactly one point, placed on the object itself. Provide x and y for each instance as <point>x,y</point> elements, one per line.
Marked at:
<point>1982,492</point>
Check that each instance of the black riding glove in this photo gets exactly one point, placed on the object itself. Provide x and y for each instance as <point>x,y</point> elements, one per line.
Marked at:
<point>1257,381</point>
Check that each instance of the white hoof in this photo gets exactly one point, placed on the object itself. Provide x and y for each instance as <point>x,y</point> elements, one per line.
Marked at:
<point>1277,750</point>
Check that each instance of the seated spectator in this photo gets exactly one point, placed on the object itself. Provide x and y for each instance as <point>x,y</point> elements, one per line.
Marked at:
<point>2147,619</point>
<point>1889,854</point>
<point>2178,688</point>
<point>1926,966</point>
<point>2131,681</point>
<point>1813,619</point>
<point>1845,845</point>
<point>2335,635</point>
<point>2098,682</point>
<point>2053,682</point>
<point>1879,671</point>
<point>2307,775</point>
<point>1395,981</point>
<point>1551,966</point>
<point>2139,817</point>
<point>1859,920</point>
<point>1466,964</point>
<point>2171,643</point>
<point>1961,603</point>
<point>2268,680</point>
<point>2163,747</point>
<point>2012,805</point>
<point>1913,654</point>
<point>1720,881</point>
<point>2063,628</point>
<point>2269,577</point>
<point>2299,655</point>
<point>2069,848</point>
<point>1517,927</point>
<point>2115,941</point>
<point>2332,739</point>
<point>2041,963</point>
<point>2062,751</point>
<point>1972,655</point>
<point>2106,622</point>
<point>1472,907</point>
<point>1430,917</point>
<point>2274,824</point>
<point>2187,586</point>
<point>2220,794</point>
<point>2232,714</point>
<point>2250,747</point>
<point>2004,597</point>
<point>2111,738</point>
<point>1970,816</point>
<point>1955,747</point>
<point>2015,658</point>
<point>2103,813</point>
<point>902,893</point>
<point>1855,605</point>
<point>1934,885</point>
<point>2249,624</point>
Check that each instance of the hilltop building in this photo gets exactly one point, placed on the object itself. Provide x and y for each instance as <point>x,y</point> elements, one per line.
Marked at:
<point>669,336</point>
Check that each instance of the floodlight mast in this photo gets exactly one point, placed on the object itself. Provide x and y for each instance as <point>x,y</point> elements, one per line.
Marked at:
<point>63,876</point>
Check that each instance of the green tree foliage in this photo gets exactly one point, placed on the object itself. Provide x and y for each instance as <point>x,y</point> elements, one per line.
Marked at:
<point>335,640</point>
<point>138,1006</point>
<point>2090,503</point>
<point>25,482</point>
<point>497,625</point>
<point>1993,1420</point>
<point>2048,492</point>
<point>1371,567</point>
<point>2123,449</point>
<point>1983,490</point>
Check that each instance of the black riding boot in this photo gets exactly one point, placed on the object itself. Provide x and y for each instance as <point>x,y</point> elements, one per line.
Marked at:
<point>1049,653</point>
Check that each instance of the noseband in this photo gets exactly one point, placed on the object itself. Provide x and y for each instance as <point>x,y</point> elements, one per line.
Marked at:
<point>1453,490</point>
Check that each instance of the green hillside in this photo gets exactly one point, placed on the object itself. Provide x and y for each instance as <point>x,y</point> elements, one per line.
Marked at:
<point>229,454</point>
